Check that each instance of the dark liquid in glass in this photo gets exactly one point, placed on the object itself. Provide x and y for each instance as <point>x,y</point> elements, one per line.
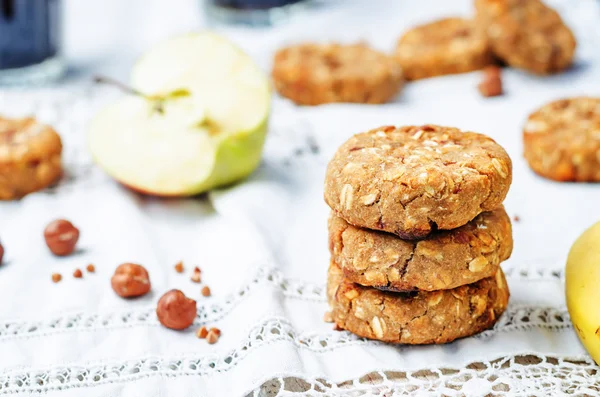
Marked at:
<point>254,4</point>
<point>28,32</point>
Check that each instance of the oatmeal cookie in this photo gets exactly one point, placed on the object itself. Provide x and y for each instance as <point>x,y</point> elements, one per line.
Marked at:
<point>416,318</point>
<point>527,34</point>
<point>30,157</point>
<point>447,46</point>
<point>312,74</point>
<point>562,140</point>
<point>412,180</point>
<point>444,260</point>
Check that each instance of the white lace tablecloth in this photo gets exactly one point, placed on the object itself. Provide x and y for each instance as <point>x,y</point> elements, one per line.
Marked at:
<point>262,247</point>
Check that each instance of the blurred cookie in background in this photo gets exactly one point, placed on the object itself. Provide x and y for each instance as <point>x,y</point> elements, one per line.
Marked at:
<point>30,157</point>
<point>562,140</point>
<point>526,34</point>
<point>446,46</point>
<point>313,74</point>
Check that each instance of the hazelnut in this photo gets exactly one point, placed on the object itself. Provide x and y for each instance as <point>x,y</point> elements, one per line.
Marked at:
<point>130,280</point>
<point>215,330</point>
<point>1,253</point>
<point>196,276</point>
<point>179,267</point>
<point>61,237</point>
<point>202,332</point>
<point>91,268</point>
<point>213,336</point>
<point>56,277</point>
<point>492,71</point>
<point>77,273</point>
<point>175,310</point>
<point>205,291</point>
<point>491,85</point>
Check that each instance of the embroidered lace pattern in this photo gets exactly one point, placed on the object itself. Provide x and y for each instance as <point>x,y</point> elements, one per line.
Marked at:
<point>517,316</point>
<point>503,375</point>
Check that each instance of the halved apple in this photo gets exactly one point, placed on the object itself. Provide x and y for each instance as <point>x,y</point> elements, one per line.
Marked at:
<point>200,124</point>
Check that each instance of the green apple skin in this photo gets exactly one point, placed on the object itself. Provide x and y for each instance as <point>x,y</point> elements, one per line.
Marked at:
<point>237,157</point>
<point>238,150</point>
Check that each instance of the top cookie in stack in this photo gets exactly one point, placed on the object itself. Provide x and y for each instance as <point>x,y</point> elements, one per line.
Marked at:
<point>413,180</point>
<point>417,233</point>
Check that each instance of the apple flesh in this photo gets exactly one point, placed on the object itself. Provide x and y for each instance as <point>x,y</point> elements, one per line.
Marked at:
<point>201,123</point>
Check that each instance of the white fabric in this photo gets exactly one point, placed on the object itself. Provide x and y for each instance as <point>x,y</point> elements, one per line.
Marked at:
<point>262,247</point>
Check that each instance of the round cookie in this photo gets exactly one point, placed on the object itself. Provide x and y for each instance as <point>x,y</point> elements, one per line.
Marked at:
<point>447,46</point>
<point>527,34</point>
<point>412,180</point>
<point>312,74</point>
<point>562,140</point>
<point>30,157</point>
<point>416,318</point>
<point>444,260</point>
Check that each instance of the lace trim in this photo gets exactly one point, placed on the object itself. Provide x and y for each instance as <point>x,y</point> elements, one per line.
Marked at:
<point>81,321</point>
<point>493,374</point>
<point>519,375</point>
<point>518,316</point>
<point>269,331</point>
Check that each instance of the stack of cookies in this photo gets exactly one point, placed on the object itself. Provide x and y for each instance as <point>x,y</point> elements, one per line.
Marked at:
<point>417,233</point>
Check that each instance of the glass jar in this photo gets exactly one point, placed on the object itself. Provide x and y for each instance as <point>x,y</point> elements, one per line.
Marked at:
<point>252,12</point>
<point>30,42</point>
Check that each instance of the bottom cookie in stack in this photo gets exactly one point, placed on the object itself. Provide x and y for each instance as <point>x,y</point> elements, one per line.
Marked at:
<point>423,317</point>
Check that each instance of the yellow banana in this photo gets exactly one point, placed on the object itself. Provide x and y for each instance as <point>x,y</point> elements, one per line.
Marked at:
<point>583,289</point>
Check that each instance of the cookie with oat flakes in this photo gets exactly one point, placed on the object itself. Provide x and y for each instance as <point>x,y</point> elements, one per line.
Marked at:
<point>562,140</point>
<point>30,157</point>
<point>443,260</point>
<point>416,318</point>
<point>446,46</point>
<point>527,34</point>
<point>415,179</point>
<point>313,74</point>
